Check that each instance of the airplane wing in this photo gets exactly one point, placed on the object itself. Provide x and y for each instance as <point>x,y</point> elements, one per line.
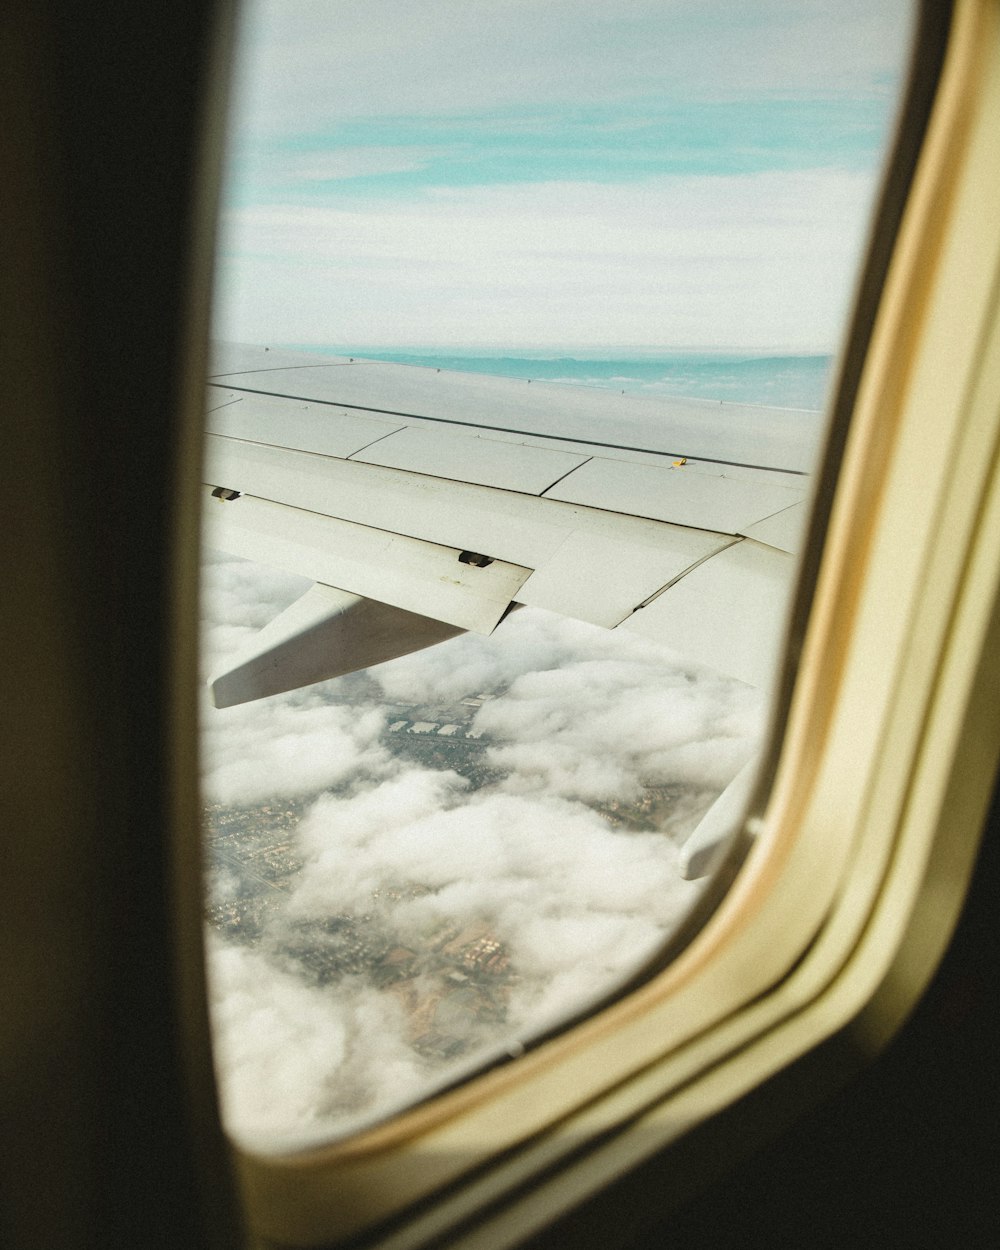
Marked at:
<point>423,503</point>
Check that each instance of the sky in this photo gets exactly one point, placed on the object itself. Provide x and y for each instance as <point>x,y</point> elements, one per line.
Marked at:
<point>562,174</point>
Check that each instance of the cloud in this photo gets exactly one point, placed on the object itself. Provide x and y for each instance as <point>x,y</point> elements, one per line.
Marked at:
<point>344,163</point>
<point>396,58</point>
<point>301,743</point>
<point>433,921</point>
<point>576,239</point>
<point>301,746</point>
<point>292,1059</point>
<point>238,598</point>
<point>604,729</point>
<point>756,260</point>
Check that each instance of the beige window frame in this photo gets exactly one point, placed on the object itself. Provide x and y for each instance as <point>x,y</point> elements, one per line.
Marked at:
<point>863,845</point>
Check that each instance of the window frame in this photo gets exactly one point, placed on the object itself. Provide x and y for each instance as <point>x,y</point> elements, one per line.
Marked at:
<point>840,913</point>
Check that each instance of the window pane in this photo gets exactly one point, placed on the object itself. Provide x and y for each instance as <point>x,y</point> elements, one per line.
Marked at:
<point>421,866</point>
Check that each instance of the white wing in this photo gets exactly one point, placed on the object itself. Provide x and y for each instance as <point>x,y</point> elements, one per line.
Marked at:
<point>424,503</point>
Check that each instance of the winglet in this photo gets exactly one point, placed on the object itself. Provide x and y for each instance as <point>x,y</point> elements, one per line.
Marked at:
<point>699,853</point>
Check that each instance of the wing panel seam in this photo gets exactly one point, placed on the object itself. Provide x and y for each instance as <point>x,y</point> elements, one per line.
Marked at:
<point>563,476</point>
<point>680,576</point>
<point>506,429</point>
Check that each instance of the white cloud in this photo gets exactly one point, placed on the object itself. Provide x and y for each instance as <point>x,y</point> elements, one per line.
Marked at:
<point>395,58</point>
<point>355,162</point>
<point>750,260</point>
<point>292,1060</point>
<point>237,599</point>
<point>300,745</point>
<point>394,854</point>
<point>602,729</point>
<point>296,743</point>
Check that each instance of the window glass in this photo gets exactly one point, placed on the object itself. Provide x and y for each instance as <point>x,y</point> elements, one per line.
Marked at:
<point>419,867</point>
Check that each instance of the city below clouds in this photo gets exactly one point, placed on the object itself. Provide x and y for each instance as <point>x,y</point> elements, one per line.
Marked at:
<point>552,877</point>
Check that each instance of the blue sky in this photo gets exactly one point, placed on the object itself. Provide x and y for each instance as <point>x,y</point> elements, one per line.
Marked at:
<point>554,174</point>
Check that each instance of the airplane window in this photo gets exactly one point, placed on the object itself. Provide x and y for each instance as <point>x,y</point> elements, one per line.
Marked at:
<point>532,306</point>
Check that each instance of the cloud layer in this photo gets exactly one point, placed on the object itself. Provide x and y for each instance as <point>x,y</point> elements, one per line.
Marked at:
<point>566,174</point>
<point>759,260</point>
<point>436,920</point>
<point>399,58</point>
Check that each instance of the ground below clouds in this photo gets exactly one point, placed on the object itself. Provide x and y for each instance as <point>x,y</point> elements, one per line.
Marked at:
<point>418,868</point>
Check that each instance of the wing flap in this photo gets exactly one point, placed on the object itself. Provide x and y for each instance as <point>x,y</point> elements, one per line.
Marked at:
<point>726,612</point>
<point>520,529</point>
<point>494,522</point>
<point>404,572</point>
<point>602,580</point>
